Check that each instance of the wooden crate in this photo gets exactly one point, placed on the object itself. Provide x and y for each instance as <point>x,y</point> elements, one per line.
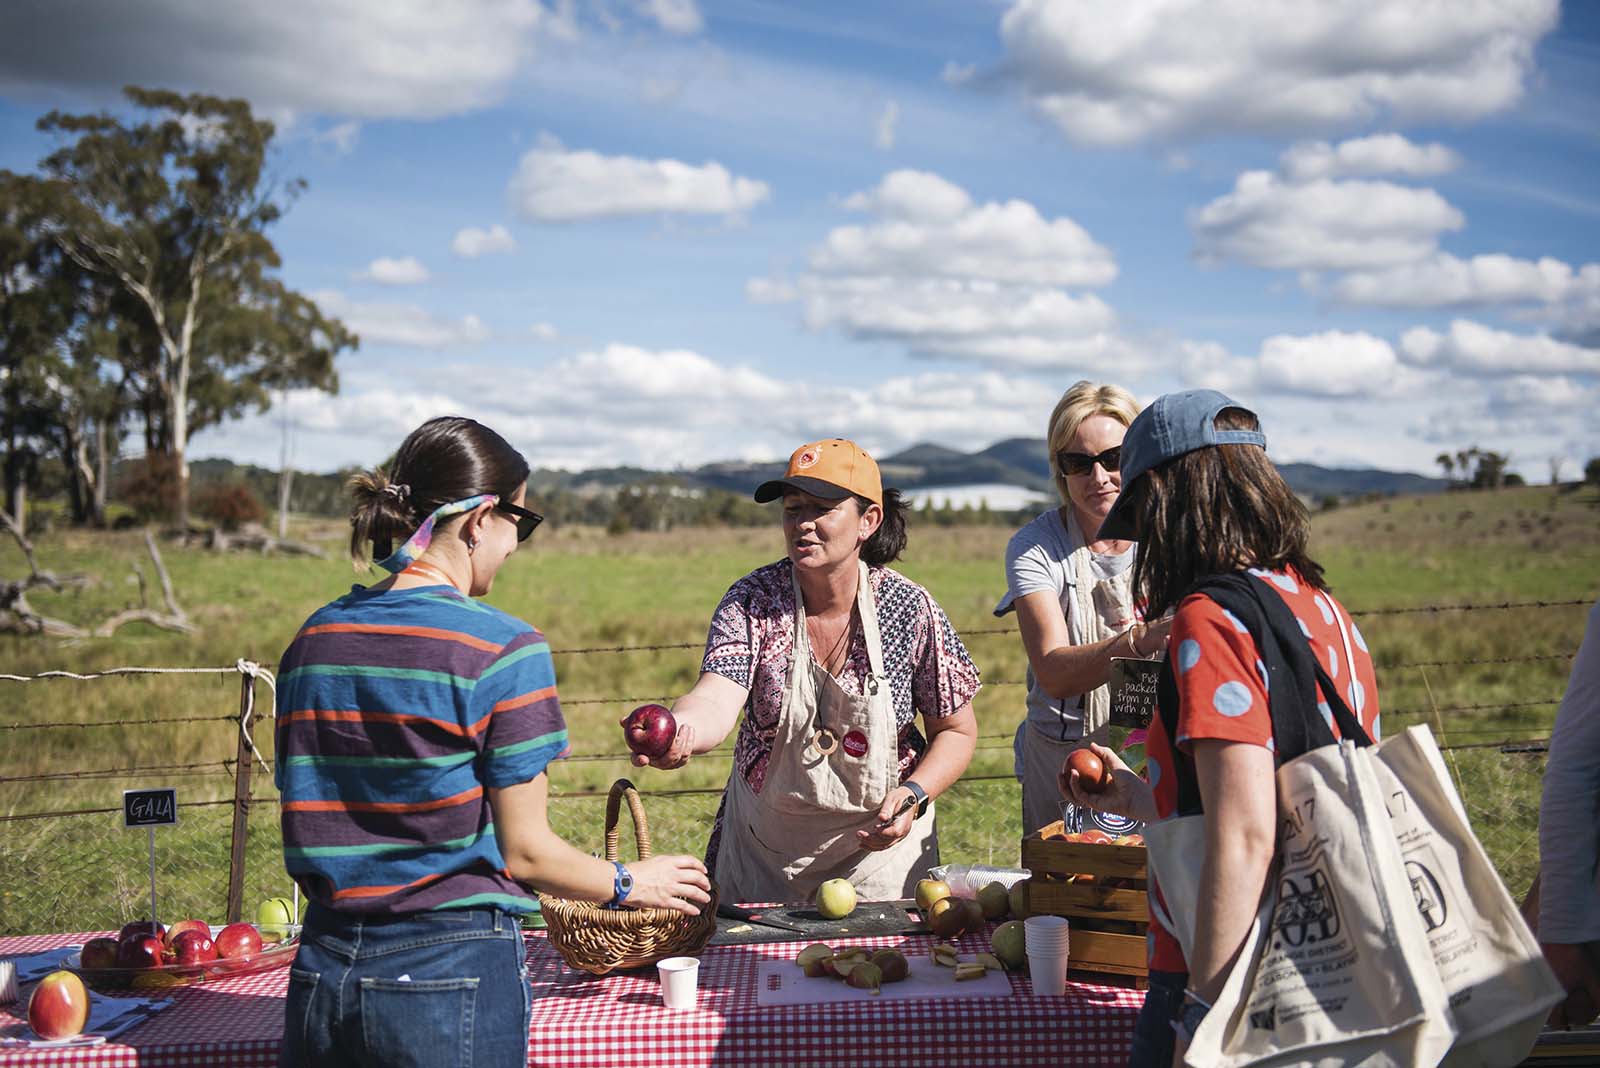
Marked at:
<point>1108,922</point>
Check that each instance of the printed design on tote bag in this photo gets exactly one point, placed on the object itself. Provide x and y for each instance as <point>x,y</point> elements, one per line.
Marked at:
<point>1425,888</point>
<point>1307,913</point>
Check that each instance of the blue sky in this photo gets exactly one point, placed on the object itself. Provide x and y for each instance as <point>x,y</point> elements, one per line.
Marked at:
<point>663,232</point>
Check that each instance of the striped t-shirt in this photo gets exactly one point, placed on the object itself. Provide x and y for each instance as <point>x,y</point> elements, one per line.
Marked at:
<point>397,710</point>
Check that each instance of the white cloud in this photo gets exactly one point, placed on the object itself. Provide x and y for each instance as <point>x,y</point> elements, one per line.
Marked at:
<point>932,228</point>
<point>402,271</point>
<point>949,277</point>
<point>1443,280</point>
<point>1543,397</point>
<point>553,184</point>
<point>1322,224</point>
<point>1121,71</point>
<point>883,135</point>
<point>1365,157</point>
<point>544,331</point>
<point>401,324</point>
<point>674,16</point>
<point>471,242</point>
<point>342,136</point>
<point>1473,348</point>
<point>362,58</point>
<point>1330,364</point>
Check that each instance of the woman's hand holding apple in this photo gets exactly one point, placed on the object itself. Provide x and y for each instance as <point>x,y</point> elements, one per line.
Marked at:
<point>676,755</point>
<point>1127,794</point>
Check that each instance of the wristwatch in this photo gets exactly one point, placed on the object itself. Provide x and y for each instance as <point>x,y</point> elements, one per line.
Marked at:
<point>1189,1016</point>
<point>923,800</point>
<point>622,887</point>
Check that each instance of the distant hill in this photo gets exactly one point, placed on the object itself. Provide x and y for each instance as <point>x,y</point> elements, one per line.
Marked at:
<point>1013,462</point>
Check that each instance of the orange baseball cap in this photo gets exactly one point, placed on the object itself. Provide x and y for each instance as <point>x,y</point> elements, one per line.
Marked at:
<point>833,469</point>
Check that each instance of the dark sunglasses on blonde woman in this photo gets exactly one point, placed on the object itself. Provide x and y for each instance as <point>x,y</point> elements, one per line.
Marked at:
<point>526,520</point>
<point>1081,463</point>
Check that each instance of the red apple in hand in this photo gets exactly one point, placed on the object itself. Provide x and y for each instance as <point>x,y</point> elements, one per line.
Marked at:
<point>193,947</point>
<point>649,730</point>
<point>1093,775</point>
<point>139,951</point>
<point>59,1006</point>
<point>99,954</point>
<point>238,940</point>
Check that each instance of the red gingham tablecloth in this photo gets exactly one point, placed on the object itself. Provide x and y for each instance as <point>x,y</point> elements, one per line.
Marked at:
<point>584,1021</point>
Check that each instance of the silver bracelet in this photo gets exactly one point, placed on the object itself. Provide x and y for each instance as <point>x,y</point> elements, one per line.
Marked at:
<point>1133,646</point>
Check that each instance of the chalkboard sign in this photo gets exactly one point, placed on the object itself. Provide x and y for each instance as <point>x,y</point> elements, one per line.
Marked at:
<point>1133,691</point>
<point>149,808</point>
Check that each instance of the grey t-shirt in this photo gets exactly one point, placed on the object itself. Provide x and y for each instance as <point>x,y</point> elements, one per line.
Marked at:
<point>1038,558</point>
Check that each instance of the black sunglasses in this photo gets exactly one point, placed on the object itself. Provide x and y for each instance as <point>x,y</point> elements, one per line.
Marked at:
<point>1081,463</point>
<point>526,520</point>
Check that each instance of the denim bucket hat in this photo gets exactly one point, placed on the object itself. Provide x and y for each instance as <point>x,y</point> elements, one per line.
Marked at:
<point>1174,424</point>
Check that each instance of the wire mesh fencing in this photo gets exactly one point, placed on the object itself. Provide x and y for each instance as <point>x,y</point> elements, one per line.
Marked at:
<point>69,865</point>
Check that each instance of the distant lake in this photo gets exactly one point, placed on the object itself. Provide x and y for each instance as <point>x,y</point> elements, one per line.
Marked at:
<point>1000,496</point>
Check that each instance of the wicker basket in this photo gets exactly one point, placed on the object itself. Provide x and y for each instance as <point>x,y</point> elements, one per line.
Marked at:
<point>596,939</point>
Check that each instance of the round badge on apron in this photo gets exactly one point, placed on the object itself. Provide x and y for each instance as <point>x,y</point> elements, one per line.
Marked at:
<point>855,744</point>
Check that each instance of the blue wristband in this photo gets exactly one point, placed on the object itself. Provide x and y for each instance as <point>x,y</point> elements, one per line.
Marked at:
<point>622,886</point>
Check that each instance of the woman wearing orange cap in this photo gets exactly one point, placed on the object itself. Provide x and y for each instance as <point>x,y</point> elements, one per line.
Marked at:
<point>831,655</point>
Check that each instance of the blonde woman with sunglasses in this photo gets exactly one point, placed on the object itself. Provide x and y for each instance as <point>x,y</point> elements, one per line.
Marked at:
<point>1071,591</point>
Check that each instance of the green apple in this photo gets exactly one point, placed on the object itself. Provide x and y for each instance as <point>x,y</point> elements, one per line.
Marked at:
<point>836,899</point>
<point>1009,942</point>
<point>274,917</point>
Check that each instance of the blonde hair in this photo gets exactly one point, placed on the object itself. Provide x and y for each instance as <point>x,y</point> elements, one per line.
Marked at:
<point>1081,400</point>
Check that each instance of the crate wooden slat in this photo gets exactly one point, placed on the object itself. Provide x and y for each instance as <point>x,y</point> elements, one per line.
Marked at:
<point>1051,862</point>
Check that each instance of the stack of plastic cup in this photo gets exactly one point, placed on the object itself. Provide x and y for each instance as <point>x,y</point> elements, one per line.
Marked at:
<point>1046,941</point>
<point>679,978</point>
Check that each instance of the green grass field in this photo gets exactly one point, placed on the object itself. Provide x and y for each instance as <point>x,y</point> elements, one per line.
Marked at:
<point>1477,677</point>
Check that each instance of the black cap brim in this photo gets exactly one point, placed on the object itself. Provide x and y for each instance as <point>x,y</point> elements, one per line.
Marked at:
<point>771,491</point>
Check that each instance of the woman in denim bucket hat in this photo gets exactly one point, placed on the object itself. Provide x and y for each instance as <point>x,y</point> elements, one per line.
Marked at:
<point>1211,513</point>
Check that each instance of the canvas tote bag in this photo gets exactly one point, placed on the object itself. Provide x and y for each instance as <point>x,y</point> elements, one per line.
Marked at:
<point>1374,844</point>
<point>1497,985</point>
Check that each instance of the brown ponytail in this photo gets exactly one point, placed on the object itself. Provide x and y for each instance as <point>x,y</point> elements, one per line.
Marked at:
<point>446,459</point>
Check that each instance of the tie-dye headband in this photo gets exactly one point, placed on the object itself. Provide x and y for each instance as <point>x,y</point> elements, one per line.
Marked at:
<point>418,543</point>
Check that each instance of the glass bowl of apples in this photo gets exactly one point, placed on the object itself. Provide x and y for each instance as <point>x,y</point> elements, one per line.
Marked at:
<point>146,956</point>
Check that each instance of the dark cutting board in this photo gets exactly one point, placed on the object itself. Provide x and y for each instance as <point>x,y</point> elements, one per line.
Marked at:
<point>869,919</point>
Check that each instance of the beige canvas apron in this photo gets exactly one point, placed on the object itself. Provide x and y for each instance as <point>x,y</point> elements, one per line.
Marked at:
<point>834,759</point>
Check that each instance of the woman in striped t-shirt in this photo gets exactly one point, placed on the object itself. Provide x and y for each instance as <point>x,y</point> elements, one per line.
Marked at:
<point>414,728</point>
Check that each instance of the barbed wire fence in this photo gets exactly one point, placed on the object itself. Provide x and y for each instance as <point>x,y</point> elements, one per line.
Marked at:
<point>71,866</point>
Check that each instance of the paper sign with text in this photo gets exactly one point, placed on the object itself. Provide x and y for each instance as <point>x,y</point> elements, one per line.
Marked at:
<point>1133,691</point>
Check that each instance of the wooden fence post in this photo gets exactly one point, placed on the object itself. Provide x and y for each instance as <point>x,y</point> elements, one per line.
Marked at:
<point>241,798</point>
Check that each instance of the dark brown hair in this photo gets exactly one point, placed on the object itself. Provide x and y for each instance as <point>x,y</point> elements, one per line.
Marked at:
<point>889,540</point>
<point>1212,511</point>
<point>446,459</point>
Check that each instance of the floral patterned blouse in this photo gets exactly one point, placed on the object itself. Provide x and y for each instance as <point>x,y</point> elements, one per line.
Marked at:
<point>752,634</point>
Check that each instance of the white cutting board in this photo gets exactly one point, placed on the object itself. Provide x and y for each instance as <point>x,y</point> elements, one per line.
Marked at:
<point>782,982</point>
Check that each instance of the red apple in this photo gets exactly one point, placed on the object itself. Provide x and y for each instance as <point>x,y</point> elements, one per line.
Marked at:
<point>1093,775</point>
<point>649,730</point>
<point>141,927</point>
<point>1095,836</point>
<point>59,1006</point>
<point>139,951</point>
<point>193,947</point>
<point>185,925</point>
<point>99,954</point>
<point>238,940</point>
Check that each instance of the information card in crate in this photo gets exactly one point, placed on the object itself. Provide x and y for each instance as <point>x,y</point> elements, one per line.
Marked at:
<point>1099,884</point>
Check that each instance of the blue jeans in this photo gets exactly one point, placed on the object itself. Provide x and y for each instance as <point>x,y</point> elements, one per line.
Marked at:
<point>1153,1039</point>
<point>435,989</point>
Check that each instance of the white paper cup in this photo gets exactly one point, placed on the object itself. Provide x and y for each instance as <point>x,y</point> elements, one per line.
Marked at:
<point>8,983</point>
<point>1048,971</point>
<point>679,978</point>
<point>1046,933</point>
